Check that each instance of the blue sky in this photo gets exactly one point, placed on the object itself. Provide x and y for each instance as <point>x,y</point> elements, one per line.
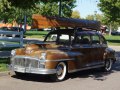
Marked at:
<point>87,7</point>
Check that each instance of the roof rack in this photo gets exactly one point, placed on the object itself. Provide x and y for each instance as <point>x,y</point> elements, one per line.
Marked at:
<point>40,21</point>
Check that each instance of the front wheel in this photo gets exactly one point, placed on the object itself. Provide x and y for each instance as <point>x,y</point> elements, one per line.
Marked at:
<point>61,71</point>
<point>108,65</point>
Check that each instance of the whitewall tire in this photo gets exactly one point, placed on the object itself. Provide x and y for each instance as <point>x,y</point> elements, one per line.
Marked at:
<point>108,65</point>
<point>61,71</point>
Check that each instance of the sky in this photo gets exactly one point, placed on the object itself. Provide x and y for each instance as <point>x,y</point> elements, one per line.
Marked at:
<point>87,7</point>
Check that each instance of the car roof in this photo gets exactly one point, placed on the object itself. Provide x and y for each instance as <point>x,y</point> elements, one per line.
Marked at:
<point>73,31</point>
<point>88,33</point>
<point>63,31</point>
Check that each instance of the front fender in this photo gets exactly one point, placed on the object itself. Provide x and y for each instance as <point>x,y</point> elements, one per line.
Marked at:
<point>53,58</point>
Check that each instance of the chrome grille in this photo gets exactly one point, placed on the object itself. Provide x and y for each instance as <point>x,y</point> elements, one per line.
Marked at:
<point>26,62</point>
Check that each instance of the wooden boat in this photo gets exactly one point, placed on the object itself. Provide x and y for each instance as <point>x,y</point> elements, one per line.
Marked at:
<point>40,21</point>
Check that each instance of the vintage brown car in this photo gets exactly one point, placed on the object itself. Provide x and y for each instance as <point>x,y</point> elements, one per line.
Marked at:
<point>84,49</point>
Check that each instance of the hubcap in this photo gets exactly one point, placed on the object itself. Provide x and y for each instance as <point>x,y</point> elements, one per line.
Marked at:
<point>108,65</point>
<point>59,70</point>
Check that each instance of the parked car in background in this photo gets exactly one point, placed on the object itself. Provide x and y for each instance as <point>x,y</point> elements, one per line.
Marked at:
<point>80,50</point>
<point>17,29</point>
<point>115,32</point>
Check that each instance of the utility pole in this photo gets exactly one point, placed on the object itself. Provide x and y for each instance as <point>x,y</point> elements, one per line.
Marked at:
<point>60,7</point>
<point>95,15</point>
<point>95,12</point>
<point>25,21</point>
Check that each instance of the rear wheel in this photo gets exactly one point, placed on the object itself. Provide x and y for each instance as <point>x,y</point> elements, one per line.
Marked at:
<point>61,71</point>
<point>108,65</point>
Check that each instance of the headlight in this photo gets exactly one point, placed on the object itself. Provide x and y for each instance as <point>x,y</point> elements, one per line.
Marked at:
<point>42,64</point>
<point>43,56</point>
<point>13,52</point>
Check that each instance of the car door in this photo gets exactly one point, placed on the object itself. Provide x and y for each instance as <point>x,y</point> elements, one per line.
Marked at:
<point>103,47</point>
<point>83,46</point>
<point>97,50</point>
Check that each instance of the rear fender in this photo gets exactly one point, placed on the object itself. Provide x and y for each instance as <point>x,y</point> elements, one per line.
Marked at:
<point>109,54</point>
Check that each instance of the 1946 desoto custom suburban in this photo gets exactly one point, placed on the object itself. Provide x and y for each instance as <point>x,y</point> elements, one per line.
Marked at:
<point>84,49</point>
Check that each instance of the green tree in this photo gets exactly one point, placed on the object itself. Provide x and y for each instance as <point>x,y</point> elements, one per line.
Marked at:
<point>52,8</point>
<point>24,4</point>
<point>67,7</point>
<point>15,9</point>
<point>75,14</point>
<point>98,17</point>
<point>90,17</point>
<point>4,10</point>
<point>111,10</point>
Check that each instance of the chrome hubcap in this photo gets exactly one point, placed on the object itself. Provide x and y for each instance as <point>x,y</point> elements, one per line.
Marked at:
<point>59,70</point>
<point>108,65</point>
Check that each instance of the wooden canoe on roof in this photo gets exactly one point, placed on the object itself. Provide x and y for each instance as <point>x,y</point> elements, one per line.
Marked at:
<point>40,21</point>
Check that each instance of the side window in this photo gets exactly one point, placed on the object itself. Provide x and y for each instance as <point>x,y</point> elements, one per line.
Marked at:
<point>95,39</point>
<point>52,37</point>
<point>103,41</point>
<point>83,39</point>
<point>64,39</point>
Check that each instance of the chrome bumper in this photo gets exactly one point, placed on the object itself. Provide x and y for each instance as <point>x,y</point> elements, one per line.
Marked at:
<point>32,70</point>
<point>25,64</point>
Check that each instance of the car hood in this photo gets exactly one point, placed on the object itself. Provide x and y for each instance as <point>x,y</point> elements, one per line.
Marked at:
<point>52,51</point>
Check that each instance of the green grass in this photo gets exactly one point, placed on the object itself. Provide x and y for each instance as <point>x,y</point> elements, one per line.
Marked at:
<point>113,40</point>
<point>3,64</point>
<point>36,34</point>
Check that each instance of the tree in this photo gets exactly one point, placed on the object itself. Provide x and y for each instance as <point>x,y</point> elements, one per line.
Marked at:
<point>4,9</point>
<point>98,17</point>
<point>24,4</point>
<point>111,9</point>
<point>52,9</point>
<point>90,17</point>
<point>75,14</point>
<point>15,9</point>
<point>67,7</point>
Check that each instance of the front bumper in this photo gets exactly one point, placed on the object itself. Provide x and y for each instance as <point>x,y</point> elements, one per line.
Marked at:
<point>32,70</point>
